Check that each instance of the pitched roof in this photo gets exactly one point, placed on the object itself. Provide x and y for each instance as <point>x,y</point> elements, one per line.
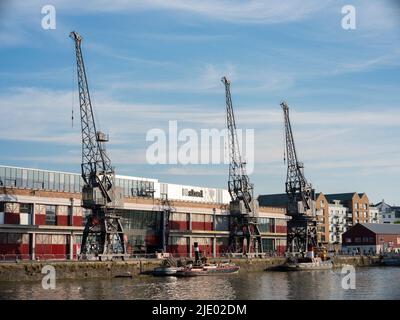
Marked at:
<point>382,228</point>
<point>340,196</point>
<point>273,200</point>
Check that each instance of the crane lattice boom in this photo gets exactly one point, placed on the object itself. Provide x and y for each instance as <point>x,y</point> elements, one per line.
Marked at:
<point>301,229</point>
<point>239,185</point>
<point>103,235</point>
<point>245,236</point>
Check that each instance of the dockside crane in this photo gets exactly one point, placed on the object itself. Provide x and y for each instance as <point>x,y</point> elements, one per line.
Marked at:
<point>301,228</point>
<point>103,236</point>
<point>245,236</point>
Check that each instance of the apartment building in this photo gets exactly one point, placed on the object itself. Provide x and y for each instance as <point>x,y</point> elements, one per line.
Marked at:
<point>387,213</point>
<point>338,215</point>
<point>357,204</point>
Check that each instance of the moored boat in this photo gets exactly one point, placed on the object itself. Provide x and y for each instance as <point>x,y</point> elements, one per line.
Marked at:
<point>391,260</point>
<point>207,270</point>
<point>304,264</point>
<point>166,271</point>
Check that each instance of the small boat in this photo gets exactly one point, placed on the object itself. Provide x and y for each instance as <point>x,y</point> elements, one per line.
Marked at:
<point>208,270</point>
<point>391,260</point>
<point>303,264</point>
<point>165,271</point>
<point>124,275</point>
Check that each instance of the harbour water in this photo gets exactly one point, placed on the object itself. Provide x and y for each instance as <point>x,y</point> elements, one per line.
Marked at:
<point>371,283</point>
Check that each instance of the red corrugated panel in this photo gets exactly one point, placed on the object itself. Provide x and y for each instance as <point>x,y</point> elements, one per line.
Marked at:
<point>77,221</point>
<point>179,225</point>
<point>281,229</point>
<point>197,225</point>
<point>178,250</point>
<point>208,226</point>
<point>59,249</point>
<point>40,219</point>
<point>14,249</point>
<point>11,218</point>
<point>24,248</point>
<point>203,226</point>
<point>281,249</point>
<point>62,220</point>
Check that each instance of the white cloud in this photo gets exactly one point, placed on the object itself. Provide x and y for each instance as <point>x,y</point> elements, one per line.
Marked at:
<point>324,138</point>
<point>360,65</point>
<point>204,78</point>
<point>236,11</point>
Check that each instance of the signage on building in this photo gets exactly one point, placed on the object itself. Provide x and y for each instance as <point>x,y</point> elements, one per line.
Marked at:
<point>192,193</point>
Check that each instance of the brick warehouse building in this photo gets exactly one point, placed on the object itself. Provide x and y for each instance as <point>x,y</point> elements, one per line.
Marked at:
<point>41,216</point>
<point>372,238</point>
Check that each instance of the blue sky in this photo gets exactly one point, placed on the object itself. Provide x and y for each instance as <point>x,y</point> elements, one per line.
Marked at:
<point>149,62</point>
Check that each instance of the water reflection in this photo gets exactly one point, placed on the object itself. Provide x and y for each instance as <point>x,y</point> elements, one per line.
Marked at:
<point>371,283</point>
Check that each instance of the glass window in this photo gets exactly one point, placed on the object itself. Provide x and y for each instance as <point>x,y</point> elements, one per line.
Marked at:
<point>268,244</point>
<point>77,183</point>
<point>126,188</point>
<point>56,181</point>
<point>70,186</point>
<point>41,179</point>
<point>71,183</point>
<point>51,181</point>
<point>2,175</point>
<point>51,215</point>
<point>66,183</point>
<point>61,182</point>
<point>134,187</point>
<point>30,178</point>
<point>19,178</point>
<point>24,178</point>
<point>266,224</point>
<point>25,208</point>
<point>46,180</point>
<point>13,173</point>
<point>222,223</point>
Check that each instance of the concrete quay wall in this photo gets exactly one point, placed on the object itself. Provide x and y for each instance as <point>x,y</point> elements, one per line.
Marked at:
<point>31,270</point>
